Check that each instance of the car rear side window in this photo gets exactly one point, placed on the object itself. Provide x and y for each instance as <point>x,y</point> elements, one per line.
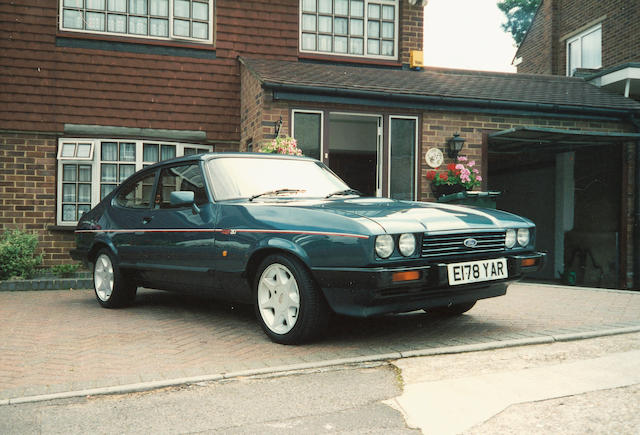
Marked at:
<point>181,178</point>
<point>137,194</point>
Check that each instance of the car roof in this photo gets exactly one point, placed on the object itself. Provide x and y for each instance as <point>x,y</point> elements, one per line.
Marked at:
<point>217,155</point>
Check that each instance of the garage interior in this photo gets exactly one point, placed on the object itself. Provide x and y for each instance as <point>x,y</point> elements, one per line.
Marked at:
<point>572,185</point>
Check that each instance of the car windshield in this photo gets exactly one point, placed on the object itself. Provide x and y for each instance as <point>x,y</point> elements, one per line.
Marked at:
<point>247,177</point>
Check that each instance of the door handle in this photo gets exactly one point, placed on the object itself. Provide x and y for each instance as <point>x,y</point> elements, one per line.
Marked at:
<point>146,220</point>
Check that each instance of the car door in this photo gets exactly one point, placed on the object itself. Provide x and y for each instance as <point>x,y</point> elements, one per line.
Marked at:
<point>131,208</point>
<point>180,240</point>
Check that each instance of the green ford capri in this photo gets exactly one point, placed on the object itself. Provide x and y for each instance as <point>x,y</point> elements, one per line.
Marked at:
<point>288,236</point>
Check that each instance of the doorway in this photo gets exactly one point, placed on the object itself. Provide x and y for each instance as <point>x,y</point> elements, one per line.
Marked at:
<point>355,150</point>
<point>373,153</point>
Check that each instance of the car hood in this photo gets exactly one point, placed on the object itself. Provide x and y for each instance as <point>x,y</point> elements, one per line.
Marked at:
<point>403,216</point>
<point>394,216</point>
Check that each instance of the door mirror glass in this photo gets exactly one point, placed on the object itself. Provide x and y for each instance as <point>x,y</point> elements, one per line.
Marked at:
<point>182,198</point>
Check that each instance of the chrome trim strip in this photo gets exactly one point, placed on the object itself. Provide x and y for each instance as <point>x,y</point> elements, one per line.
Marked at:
<point>226,231</point>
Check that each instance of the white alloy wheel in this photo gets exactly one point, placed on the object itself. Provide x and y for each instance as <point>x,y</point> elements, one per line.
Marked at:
<point>278,298</point>
<point>103,277</point>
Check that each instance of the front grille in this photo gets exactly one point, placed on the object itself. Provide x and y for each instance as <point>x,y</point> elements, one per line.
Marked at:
<point>448,245</point>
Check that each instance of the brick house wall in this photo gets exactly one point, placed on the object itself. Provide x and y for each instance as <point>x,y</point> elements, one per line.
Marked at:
<point>47,86</point>
<point>558,20</point>
<point>536,49</point>
<point>411,31</point>
<point>28,191</point>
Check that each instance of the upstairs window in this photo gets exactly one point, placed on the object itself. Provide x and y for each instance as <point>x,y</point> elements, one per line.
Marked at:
<point>157,19</point>
<point>585,50</point>
<point>360,28</point>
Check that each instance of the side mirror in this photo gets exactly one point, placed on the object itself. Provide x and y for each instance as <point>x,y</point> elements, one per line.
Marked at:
<point>184,198</point>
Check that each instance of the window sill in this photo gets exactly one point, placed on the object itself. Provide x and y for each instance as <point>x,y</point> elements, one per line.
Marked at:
<point>338,59</point>
<point>135,45</point>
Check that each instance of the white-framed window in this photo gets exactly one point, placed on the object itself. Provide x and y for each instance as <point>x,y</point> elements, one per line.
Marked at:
<point>75,150</point>
<point>157,19</point>
<point>360,28</point>
<point>89,169</point>
<point>585,50</point>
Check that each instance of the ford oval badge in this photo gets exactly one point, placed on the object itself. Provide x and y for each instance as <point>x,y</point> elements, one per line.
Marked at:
<point>470,243</point>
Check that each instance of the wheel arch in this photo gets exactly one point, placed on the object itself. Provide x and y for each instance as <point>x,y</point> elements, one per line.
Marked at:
<point>97,246</point>
<point>275,246</point>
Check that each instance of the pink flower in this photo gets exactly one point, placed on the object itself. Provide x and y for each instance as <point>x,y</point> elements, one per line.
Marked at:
<point>475,171</point>
<point>464,175</point>
<point>462,159</point>
<point>471,163</point>
<point>478,178</point>
<point>460,166</point>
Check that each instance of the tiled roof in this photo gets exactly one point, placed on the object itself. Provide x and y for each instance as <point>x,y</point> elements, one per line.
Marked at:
<point>437,82</point>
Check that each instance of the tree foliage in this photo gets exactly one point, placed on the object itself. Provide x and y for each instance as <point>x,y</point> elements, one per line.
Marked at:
<point>519,14</point>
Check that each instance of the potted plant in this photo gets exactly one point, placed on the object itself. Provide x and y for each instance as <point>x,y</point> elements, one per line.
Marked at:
<point>459,177</point>
<point>282,145</point>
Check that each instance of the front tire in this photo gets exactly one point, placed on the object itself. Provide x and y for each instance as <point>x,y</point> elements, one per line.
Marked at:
<point>111,288</point>
<point>289,305</point>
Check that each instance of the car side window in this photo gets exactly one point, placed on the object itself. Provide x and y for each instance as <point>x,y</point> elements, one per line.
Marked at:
<point>181,178</point>
<point>137,194</point>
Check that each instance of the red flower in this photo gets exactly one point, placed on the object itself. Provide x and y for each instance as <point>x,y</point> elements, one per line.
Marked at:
<point>444,177</point>
<point>451,166</point>
<point>431,175</point>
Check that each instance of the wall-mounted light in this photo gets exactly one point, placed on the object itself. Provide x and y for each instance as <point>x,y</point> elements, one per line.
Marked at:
<point>454,145</point>
<point>278,126</point>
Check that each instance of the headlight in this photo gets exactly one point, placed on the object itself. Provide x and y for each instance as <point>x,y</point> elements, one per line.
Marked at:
<point>510,239</point>
<point>407,244</point>
<point>384,246</point>
<point>523,236</point>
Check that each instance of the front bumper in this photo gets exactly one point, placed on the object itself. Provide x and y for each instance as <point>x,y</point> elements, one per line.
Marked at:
<point>364,292</point>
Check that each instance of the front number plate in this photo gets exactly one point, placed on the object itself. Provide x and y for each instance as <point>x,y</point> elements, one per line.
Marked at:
<point>477,271</point>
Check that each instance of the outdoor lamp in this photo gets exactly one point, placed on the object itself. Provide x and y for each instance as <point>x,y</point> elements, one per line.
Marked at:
<point>454,145</point>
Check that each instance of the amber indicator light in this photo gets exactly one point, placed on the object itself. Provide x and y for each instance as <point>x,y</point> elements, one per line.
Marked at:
<point>405,276</point>
<point>528,262</point>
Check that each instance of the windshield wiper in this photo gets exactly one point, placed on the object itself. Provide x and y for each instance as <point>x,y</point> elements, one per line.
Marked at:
<point>345,192</point>
<point>276,192</point>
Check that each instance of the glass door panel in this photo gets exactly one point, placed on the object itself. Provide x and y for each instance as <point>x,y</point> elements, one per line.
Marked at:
<point>402,172</point>
<point>307,130</point>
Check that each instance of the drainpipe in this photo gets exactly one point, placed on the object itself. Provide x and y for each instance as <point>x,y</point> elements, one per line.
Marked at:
<point>636,212</point>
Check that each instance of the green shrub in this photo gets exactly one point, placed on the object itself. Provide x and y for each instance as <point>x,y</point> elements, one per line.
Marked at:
<point>18,254</point>
<point>65,270</point>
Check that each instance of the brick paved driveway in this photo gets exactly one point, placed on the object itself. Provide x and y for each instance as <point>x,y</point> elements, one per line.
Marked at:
<point>62,340</point>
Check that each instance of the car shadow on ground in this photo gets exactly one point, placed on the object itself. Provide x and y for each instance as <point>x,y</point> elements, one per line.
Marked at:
<point>390,328</point>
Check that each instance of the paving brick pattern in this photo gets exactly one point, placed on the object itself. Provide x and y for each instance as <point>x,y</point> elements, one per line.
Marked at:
<point>59,341</point>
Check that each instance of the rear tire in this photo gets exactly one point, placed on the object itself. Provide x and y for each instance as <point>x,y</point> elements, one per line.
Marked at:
<point>112,289</point>
<point>453,310</point>
<point>289,305</point>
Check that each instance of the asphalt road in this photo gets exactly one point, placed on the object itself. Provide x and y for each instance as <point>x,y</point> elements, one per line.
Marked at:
<point>364,398</point>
